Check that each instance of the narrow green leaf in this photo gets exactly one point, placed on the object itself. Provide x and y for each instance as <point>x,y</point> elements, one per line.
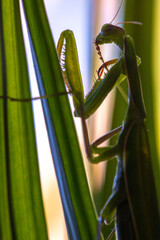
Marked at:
<point>21,208</point>
<point>67,158</point>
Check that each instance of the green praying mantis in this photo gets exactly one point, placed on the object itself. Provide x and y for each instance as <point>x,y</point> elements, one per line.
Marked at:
<point>133,201</point>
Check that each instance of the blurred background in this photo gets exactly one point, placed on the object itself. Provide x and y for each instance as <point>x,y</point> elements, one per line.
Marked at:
<point>85,18</point>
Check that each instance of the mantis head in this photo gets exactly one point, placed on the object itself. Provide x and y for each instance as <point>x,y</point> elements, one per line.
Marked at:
<point>110,33</point>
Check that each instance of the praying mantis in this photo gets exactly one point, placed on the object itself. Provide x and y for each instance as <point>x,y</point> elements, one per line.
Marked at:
<point>132,202</point>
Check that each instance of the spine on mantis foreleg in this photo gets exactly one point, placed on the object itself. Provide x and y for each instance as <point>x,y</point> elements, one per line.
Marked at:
<point>67,52</point>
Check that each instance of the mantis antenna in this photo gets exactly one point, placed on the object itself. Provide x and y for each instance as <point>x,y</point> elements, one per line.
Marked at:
<point>117,12</point>
<point>132,22</point>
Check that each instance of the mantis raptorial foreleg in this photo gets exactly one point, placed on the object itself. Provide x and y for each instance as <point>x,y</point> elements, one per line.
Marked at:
<point>101,70</point>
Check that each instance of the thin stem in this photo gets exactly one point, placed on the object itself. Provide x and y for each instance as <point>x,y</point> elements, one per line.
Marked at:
<point>34,98</point>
